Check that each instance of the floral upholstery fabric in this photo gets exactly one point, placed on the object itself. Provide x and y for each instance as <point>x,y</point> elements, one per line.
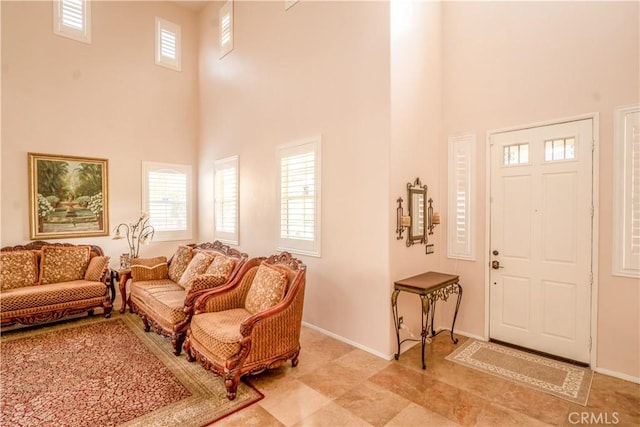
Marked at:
<point>267,289</point>
<point>63,264</point>
<point>162,298</point>
<point>18,269</point>
<point>204,281</point>
<point>97,268</point>
<point>219,332</point>
<point>55,293</point>
<point>222,266</point>
<point>197,265</point>
<point>180,262</point>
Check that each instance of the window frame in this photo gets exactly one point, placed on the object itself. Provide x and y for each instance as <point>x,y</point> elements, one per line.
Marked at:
<point>300,246</point>
<point>624,262</point>
<point>83,35</point>
<point>161,25</point>
<point>163,235</point>
<point>225,10</point>
<point>218,166</point>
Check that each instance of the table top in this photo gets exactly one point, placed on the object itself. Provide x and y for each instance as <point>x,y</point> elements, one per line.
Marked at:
<point>425,282</point>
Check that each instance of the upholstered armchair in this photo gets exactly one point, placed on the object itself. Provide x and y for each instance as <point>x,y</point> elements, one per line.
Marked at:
<point>163,292</point>
<point>251,324</point>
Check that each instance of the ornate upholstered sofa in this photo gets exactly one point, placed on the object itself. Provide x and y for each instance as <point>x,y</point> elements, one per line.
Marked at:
<point>42,282</point>
<point>163,292</point>
<point>252,323</point>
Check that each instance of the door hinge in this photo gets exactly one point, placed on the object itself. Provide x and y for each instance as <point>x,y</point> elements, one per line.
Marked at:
<point>593,145</point>
<point>592,211</point>
<point>591,278</point>
<point>590,343</point>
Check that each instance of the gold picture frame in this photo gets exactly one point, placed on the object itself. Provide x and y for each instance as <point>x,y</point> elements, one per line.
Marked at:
<point>68,196</point>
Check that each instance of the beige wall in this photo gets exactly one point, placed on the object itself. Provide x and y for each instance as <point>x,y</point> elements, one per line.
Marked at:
<point>514,63</point>
<point>320,68</point>
<point>106,100</point>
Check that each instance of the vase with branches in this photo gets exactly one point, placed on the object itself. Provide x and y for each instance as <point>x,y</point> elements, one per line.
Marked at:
<point>136,233</point>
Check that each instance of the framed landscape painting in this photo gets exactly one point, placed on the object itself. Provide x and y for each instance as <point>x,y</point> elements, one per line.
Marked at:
<point>68,196</point>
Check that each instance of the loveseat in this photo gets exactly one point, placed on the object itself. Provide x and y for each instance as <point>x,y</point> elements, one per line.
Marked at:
<point>42,282</point>
<point>163,291</point>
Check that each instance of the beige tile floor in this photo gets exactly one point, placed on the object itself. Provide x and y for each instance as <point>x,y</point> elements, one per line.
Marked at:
<point>336,384</point>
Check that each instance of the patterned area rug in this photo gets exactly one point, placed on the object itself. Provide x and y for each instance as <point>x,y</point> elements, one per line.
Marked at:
<point>97,372</point>
<point>560,379</point>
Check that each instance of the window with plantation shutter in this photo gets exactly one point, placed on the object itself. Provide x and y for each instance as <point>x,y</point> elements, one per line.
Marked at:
<point>299,167</point>
<point>167,199</point>
<point>461,197</point>
<point>168,44</point>
<point>72,19</point>
<point>626,245</point>
<point>225,23</point>
<point>226,200</point>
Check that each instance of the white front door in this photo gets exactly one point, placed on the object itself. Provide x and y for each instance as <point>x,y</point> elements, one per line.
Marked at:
<point>541,238</point>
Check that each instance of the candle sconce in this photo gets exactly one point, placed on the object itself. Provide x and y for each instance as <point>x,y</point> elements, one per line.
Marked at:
<point>420,220</point>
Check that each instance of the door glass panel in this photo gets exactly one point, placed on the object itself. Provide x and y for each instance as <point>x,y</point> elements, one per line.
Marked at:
<point>516,154</point>
<point>559,149</point>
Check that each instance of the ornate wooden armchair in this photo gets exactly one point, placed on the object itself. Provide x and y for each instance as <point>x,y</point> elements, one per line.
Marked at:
<point>163,293</point>
<point>252,323</point>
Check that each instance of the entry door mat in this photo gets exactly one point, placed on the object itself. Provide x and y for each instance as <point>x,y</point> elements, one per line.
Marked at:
<point>98,372</point>
<point>564,380</point>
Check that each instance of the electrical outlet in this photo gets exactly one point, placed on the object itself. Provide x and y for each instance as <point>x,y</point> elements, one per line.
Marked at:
<point>429,249</point>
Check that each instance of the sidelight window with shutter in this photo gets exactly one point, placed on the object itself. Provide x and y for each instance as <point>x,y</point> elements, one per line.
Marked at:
<point>299,195</point>
<point>626,229</point>
<point>72,19</point>
<point>226,200</point>
<point>166,190</point>
<point>225,24</point>
<point>461,197</point>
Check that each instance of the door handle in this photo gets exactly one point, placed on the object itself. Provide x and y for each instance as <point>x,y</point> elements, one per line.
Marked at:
<point>496,265</point>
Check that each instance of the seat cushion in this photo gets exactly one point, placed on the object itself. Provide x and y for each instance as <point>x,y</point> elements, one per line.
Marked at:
<point>219,332</point>
<point>54,293</point>
<point>267,289</point>
<point>63,264</point>
<point>164,298</point>
<point>18,269</point>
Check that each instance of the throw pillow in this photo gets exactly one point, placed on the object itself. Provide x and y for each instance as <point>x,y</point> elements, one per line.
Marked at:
<point>18,269</point>
<point>63,263</point>
<point>267,289</point>
<point>97,267</point>
<point>149,268</point>
<point>222,266</point>
<point>197,265</point>
<point>180,262</point>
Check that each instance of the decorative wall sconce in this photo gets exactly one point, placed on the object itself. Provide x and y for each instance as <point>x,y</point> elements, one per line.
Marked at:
<point>421,219</point>
<point>140,232</point>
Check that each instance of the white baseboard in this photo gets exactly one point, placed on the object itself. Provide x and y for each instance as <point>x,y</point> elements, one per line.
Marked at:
<point>617,375</point>
<point>348,341</point>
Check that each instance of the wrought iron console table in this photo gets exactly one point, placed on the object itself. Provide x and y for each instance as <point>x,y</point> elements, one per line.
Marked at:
<point>430,286</point>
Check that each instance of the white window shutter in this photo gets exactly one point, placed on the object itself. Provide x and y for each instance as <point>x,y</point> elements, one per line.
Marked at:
<point>626,245</point>
<point>225,23</point>
<point>168,44</point>
<point>461,197</point>
<point>167,199</point>
<point>299,167</point>
<point>226,200</point>
<point>72,19</point>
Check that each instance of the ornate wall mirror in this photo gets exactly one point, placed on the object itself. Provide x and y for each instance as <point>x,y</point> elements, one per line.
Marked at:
<point>417,201</point>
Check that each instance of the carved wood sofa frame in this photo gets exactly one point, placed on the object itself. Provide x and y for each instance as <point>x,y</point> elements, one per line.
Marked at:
<point>44,314</point>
